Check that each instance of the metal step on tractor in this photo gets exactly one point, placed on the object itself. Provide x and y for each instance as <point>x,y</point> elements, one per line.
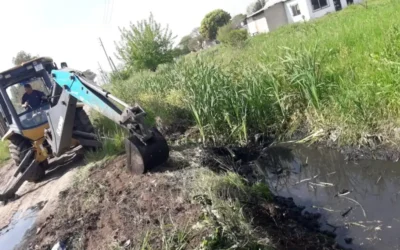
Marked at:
<point>42,116</point>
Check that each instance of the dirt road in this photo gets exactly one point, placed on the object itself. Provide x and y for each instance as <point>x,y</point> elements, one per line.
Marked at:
<point>58,178</point>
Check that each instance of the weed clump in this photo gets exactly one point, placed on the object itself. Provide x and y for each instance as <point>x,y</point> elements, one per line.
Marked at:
<point>225,198</point>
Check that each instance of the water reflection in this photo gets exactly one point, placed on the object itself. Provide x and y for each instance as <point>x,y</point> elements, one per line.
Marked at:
<point>317,177</point>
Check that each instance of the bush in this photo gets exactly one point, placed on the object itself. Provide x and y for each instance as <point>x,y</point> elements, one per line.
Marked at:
<point>223,32</point>
<point>236,38</point>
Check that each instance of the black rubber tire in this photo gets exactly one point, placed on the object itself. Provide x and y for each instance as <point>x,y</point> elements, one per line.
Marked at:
<point>18,148</point>
<point>82,121</point>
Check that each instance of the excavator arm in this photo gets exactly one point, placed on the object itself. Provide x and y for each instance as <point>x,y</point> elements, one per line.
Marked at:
<point>145,146</point>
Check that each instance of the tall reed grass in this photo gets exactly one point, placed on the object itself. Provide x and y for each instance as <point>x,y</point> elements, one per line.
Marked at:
<point>340,73</point>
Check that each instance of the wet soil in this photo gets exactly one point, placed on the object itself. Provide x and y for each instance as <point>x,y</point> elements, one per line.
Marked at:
<point>287,225</point>
<point>13,233</point>
<point>358,200</point>
<point>30,196</point>
<point>112,208</point>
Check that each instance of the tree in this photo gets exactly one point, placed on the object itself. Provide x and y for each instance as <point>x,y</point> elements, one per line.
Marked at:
<point>212,21</point>
<point>184,44</point>
<point>237,21</point>
<point>256,6</point>
<point>22,57</point>
<point>196,43</point>
<point>145,45</point>
<point>192,42</point>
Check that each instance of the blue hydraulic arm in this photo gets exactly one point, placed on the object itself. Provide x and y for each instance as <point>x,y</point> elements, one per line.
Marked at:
<point>145,147</point>
<point>76,85</point>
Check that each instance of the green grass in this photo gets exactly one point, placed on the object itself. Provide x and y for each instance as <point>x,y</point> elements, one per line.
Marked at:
<point>4,154</point>
<point>224,198</point>
<point>112,137</point>
<point>340,74</point>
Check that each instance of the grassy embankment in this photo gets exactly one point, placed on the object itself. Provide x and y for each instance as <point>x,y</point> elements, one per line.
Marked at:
<point>337,77</point>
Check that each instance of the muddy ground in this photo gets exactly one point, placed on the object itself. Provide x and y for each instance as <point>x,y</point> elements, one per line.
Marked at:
<point>102,206</point>
<point>111,209</point>
<point>59,178</point>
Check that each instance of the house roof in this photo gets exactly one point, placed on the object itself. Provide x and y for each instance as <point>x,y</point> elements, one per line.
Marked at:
<point>268,4</point>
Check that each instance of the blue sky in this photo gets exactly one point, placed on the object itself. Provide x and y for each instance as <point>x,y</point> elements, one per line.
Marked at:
<point>68,30</point>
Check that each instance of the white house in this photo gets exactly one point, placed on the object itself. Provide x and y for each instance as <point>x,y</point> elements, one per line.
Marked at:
<point>280,12</point>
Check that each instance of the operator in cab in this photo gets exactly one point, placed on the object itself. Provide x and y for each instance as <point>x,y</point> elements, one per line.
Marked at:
<point>32,98</point>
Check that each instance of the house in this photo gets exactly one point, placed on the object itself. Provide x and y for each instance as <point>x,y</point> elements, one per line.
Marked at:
<point>280,12</point>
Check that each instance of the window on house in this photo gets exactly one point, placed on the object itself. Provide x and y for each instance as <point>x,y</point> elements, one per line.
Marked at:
<point>295,10</point>
<point>319,4</point>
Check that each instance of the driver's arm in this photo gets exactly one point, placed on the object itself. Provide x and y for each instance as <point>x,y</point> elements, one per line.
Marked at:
<point>42,95</point>
<point>24,102</point>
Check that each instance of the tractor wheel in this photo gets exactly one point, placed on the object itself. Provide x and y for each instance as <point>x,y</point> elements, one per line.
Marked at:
<point>18,148</point>
<point>82,121</point>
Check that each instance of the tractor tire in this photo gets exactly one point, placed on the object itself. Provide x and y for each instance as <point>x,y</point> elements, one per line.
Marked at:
<point>18,148</point>
<point>82,121</point>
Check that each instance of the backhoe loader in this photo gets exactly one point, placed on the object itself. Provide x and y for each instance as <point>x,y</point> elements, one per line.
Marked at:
<point>58,122</point>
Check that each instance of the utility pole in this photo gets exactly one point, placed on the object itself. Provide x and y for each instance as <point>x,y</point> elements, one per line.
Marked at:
<point>112,62</point>
<point>108,58</point>
<point>115,68</point>
<point>104,76</point>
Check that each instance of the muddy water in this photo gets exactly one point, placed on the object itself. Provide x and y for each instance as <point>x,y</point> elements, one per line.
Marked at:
<point>14,233</point>
<point>358,201</point>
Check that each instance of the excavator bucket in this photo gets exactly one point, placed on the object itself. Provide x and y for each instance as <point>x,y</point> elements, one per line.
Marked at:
<point>142,157</point>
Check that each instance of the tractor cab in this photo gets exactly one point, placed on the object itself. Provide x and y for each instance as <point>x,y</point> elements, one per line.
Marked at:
<point>24,99</point>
